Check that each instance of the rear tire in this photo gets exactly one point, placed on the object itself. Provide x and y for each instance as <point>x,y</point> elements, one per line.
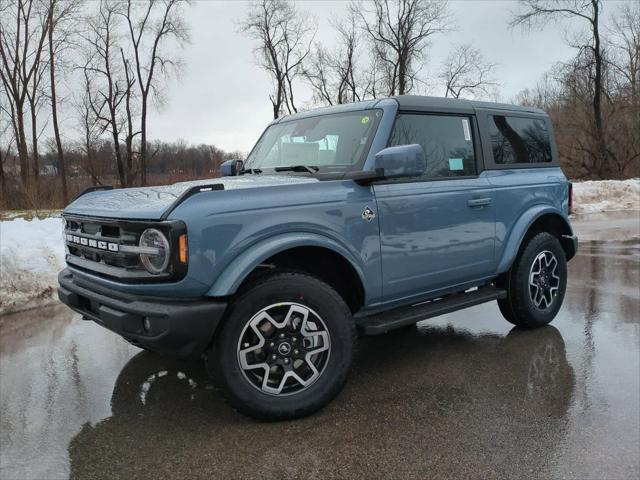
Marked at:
<point>536,283</point>
<point>285,348</point>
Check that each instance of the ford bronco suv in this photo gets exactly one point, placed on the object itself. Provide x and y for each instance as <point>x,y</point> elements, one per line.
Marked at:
<point>362,217</point>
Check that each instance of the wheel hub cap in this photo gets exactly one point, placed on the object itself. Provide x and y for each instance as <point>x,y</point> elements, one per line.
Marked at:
<point>284,348</point>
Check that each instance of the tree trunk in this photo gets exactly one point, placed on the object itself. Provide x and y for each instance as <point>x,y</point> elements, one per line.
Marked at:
<point>62,171</point>
<point>34,142</point>
<point>3,183</point>
<point>143,141</point>
<point>116,148</point>
<point>121,172</point>
<point>89,148</point>
<point>601,144</point>
<point>23,153</point>
<point>277,103</point>
<point>129,136</point>
<point>402,76</point>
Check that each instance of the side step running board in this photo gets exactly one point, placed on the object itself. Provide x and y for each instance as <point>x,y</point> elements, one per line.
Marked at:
<point>383,322</point>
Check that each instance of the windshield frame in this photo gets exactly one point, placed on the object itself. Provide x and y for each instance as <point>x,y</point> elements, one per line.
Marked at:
<point>358,165</point>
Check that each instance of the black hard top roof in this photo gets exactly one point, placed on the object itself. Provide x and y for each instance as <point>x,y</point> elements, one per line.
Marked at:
<point>419,102</point>
<point>415,102</point>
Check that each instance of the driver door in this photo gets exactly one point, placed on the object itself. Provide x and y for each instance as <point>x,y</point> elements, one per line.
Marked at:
<point>436,231</point>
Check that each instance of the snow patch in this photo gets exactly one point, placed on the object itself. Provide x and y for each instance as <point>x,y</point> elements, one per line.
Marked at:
<point>31,255</point>
<point>606,195</point>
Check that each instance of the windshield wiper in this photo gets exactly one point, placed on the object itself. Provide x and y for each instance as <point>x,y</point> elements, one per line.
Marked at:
<point>251,171</point>
<point>298,168</point>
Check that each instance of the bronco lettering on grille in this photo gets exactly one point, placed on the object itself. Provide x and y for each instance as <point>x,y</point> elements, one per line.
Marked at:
<point>102,245</point>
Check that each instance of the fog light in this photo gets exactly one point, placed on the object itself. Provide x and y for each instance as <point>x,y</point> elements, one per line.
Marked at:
<point>146,323</point>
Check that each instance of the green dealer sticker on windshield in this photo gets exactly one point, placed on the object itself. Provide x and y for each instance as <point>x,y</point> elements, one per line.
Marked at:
<point>364,120</point>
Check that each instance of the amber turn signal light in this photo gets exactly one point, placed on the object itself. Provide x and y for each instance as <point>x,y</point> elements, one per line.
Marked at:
<point>183,255</point>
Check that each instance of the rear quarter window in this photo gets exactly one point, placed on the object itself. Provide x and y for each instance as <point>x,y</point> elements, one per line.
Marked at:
<point>519,140</point>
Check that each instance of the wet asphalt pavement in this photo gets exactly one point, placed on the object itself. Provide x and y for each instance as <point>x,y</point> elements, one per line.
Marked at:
<point>463,395</point>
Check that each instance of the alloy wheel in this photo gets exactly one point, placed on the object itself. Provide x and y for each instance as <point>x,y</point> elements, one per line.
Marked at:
<point>284,349</point>
<point>544,280</point>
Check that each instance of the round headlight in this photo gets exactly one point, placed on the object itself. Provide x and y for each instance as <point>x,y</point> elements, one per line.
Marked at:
<point>156,263</point>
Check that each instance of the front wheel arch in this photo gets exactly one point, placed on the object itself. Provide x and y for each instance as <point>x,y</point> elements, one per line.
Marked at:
<point>241,268</point>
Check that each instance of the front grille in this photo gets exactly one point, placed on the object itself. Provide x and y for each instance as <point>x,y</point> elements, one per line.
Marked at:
<point>100,246</point>
<point>98,233</point>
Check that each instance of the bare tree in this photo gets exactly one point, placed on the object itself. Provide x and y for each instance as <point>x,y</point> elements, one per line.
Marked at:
<point>399,32</point>
<point>466,71</point>
<point>61,15</point>
<point>536,13</point>
<point>544,95</point>
<point>23,32</point>
<point>348,87</point>
<point>284,39</point>
<point>334,76</point>
<point>105,89</point>
<point>35,93</point>
<point>151,24</point>
<point>319,75</point>
<point>5,149</point>
<point>89,130</point>
<point>623,62</point>
<point>130,133</point>
<point>624,50</point>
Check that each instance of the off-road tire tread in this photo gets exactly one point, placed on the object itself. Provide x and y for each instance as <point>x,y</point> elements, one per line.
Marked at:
<point>517,308</point>
<point>215,366</point>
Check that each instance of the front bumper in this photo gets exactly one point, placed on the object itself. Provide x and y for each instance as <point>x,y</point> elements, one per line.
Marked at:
<point>177,328</point>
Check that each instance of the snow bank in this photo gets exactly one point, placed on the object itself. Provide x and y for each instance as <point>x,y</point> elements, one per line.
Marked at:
<point>31,255</point>
<point>606,195</point>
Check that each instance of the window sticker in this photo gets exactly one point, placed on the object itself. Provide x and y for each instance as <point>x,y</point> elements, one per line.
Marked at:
<point>467,130</point>
<point>456,164</point>
<point>364,120</point>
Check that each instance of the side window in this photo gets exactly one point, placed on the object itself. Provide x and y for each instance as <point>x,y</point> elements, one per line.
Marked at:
<point>446,140</point>
<point>519,140</point>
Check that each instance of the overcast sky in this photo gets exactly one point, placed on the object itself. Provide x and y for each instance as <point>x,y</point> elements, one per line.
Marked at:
<point>221,96</point>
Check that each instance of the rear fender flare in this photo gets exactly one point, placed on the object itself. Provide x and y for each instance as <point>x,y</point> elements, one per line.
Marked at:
<point>520,229</point>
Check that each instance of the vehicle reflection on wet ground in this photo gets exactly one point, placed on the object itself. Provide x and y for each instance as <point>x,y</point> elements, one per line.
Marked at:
<point>463,395</point>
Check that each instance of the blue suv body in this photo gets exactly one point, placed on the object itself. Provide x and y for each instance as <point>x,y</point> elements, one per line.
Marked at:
<point>340,218</point>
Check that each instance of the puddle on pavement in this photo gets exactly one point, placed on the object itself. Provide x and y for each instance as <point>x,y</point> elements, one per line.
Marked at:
<point>610,226</point>
<point>461,395</point>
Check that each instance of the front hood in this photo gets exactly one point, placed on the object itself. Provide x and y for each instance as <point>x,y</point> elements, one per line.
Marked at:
<point>150,203</point>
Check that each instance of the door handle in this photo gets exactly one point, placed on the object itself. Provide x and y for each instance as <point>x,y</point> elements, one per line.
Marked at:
<point>478,202</point>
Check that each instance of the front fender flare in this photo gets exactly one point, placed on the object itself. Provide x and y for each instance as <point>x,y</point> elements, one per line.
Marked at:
<point>237,271</point>
<point>519,230</point>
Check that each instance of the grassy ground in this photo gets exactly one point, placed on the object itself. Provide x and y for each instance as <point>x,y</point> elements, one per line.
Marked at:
<point>28,214</point>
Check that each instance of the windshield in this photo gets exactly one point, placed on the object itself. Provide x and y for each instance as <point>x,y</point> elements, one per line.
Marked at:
<point>330,142</point>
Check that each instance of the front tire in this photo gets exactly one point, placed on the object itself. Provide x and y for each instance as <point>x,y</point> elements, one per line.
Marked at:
<point>536,283</point>
<point>285,348</point>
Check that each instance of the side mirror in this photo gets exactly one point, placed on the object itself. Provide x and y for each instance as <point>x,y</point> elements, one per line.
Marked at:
<point>400,161</point>
<point>230,168</point>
